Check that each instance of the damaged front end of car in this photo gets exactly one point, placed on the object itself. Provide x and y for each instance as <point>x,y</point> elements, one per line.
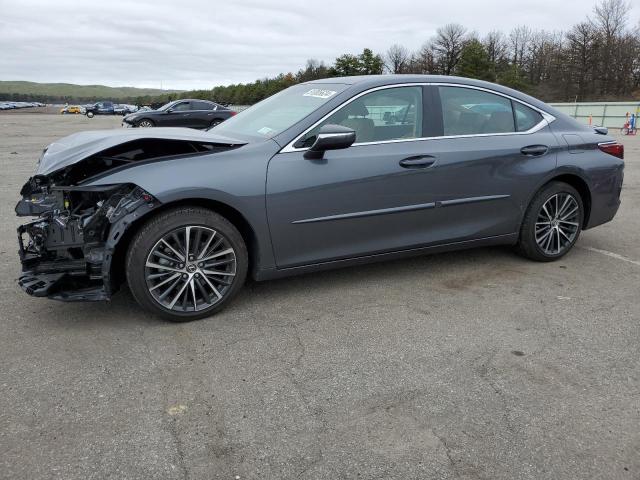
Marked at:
<point>67,250</point>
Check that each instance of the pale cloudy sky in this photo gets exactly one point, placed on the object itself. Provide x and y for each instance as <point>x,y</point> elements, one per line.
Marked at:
<point>198,43</point>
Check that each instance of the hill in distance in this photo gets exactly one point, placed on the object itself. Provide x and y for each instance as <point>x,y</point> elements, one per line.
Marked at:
<point>12,90</point>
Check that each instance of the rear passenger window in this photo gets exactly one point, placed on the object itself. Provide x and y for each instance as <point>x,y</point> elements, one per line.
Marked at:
<point>466,111</point>
<point>202,106</point>
<point>526,118</point>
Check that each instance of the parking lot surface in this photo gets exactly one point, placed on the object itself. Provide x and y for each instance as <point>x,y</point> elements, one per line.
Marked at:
<point>475,365</point>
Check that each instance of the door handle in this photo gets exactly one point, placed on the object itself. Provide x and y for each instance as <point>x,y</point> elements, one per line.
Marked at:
<point>534,150</point>
<point>419,161</point>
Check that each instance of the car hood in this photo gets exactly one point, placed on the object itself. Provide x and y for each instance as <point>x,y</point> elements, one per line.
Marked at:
<point>75,148</point>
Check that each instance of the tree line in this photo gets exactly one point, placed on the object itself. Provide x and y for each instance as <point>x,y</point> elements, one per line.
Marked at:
<point>595,59</point>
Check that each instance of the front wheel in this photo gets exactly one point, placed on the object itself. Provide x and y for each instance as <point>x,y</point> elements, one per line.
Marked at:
<point>145,123</point>
<point>552,223</point>
<point>186,264</point>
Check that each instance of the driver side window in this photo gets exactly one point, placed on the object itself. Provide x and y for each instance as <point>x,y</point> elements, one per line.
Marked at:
<point>181,107</point>
<point>387,114</point>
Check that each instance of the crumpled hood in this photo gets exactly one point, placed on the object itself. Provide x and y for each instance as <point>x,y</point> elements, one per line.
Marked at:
<point>74,148</point>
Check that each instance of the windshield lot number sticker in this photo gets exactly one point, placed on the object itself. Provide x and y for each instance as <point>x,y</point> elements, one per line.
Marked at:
<point>319,93</point>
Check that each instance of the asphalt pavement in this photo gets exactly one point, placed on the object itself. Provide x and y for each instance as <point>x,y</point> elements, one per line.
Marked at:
<point>474,365</point>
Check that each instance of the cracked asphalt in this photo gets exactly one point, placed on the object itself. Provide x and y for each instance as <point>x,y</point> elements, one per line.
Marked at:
<point>472,365</point>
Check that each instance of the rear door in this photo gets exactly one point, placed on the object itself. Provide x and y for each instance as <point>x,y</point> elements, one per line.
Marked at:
<point>493,152</point>
<point>202,113</point>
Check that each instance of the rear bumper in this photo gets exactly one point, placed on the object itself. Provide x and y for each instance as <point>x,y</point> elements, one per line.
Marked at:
<point>605,198</point>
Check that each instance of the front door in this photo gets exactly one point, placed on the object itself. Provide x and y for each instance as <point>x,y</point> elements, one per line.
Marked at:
<point>178,116</point>
<point>371,197</point>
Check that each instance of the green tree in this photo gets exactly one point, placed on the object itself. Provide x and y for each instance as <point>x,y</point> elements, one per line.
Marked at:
<point>513,77</point>
<point>346,65</point>
<point>370,64</point>
<point>364,64</point>
<point>474,62</point>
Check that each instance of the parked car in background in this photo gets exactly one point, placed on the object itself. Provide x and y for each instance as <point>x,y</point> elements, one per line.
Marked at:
<point>124,109</point>
<point>76,109</point>
<point>7,105</point>
<point>189,113</point>
<point>100,108</point>
<point>324,174</point>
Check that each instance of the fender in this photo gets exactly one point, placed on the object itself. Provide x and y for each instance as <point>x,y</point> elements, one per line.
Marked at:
<point>235,178</point>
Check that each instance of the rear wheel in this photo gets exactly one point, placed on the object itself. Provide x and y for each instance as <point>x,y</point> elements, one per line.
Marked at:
<point>552,223</point>
<point>145,123</point>
<point>186,264</point>
<point>215,122</point>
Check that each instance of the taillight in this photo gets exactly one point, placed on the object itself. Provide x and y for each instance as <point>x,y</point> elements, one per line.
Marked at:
<point>233,113</point>
<point>614,148</point>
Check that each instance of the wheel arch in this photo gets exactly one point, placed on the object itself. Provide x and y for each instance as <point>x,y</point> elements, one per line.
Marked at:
<point>146,118</point>
<point>576,181</point>
<point>117,267</point>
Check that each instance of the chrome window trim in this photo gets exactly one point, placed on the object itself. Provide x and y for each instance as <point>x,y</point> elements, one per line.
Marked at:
<point>547,118</point>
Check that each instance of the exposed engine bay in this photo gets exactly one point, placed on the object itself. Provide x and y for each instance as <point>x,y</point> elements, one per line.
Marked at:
<point>67,251</point>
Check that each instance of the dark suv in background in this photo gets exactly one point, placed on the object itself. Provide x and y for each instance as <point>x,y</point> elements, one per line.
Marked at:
<point>100,108</point>
<point>189,113</point>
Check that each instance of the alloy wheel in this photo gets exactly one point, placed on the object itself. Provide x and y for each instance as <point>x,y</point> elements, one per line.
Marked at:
<point>145,124</point>
<point>190,269</point>
<point>557,224</point>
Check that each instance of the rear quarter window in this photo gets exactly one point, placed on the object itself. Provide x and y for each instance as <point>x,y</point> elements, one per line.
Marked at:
<point>526,118</point>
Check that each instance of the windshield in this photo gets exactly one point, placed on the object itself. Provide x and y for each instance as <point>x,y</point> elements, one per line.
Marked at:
<point>275,114</point>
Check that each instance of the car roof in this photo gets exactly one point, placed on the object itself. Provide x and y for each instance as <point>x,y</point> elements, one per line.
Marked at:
<point>194,100</point>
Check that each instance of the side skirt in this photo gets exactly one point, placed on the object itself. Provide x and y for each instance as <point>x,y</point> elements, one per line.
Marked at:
<point>507,239</point>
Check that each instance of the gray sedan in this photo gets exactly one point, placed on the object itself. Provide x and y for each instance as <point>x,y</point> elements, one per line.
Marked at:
<point>324,174</point>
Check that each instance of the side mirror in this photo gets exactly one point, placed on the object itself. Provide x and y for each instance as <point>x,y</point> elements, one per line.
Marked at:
<point>330,137</point>
<point>169,110</point>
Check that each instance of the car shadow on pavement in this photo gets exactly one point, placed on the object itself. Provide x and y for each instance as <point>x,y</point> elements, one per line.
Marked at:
<point>449,271</point>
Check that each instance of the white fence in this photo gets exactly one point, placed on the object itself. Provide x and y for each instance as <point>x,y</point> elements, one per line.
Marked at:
<point>604,114</point>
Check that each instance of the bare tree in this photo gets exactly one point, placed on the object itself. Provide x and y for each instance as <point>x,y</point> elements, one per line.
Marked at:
<point>448,46</point>
<point>423,61</point>
<point>610,19</point>
<point>396,60</point>
<point>581,54</point>
<point>519,39</point>
<point>496,46</point>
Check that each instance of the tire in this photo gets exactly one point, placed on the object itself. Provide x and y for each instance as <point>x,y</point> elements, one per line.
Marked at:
<point>153,261</point>
<point>90,114</point>
<point>216,122</point>
<point>145,123</point>
<point>550,227</point>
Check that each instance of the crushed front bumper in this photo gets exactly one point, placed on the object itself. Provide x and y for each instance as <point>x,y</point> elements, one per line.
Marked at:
<point>67,280</point>
<point>67,252</point>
